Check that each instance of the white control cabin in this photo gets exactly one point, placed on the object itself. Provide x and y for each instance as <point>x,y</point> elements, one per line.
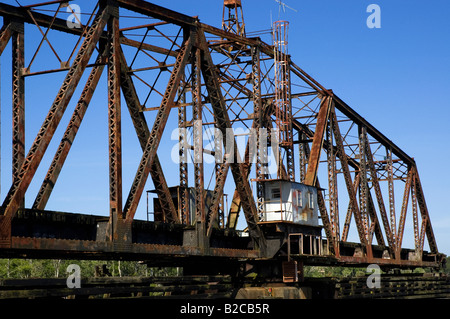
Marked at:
<point>287,201</point>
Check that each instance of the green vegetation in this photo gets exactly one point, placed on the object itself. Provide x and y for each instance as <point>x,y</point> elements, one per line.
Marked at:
<point>319,271</point>
<point>56,268</point>
<point>340,272</point>
<point>447,265</point>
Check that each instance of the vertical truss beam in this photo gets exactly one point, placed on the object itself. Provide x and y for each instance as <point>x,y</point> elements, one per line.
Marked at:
<point>183,154</point>
<point>289,148</point>
<point>17,191</point>
<point>364,190</point>
<point>390,171</point>
<point>302,158</point>
<point>332,182</point>
<point>154,138</point>
<point>415,215</point>
<point>18,101</point>
<point>200,214</point>
<point>114,124</point>
<point>426,224</point>
<point>261,139</point>
<point>220,180</point>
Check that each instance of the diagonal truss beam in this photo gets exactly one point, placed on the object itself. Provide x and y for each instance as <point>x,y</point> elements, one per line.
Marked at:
<point>267,111</point>
<point>223,123</point>
<point>151,147</point>
<point>360,121</point>
<point>5,34</point>
<point>316,148</point>
<point>17,191</point>
<point>213,211</point>
<point>401,224</point>
<point>69,136</point>
<point>235,206</point>
<point>348,182</point>
<point>143,133</point>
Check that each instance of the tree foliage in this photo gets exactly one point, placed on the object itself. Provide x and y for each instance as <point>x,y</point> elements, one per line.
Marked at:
<point>57,268</point>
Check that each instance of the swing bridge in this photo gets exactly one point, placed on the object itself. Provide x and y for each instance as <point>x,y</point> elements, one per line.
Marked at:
<point>341,194</point>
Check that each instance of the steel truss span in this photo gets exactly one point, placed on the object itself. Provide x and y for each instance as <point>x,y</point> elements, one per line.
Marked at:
<point>169,70</point>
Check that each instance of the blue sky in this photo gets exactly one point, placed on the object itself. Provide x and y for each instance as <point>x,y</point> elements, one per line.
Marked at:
<point>397,77</point>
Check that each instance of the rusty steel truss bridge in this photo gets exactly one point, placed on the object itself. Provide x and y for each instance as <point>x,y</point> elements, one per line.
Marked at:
<point>211,80</point>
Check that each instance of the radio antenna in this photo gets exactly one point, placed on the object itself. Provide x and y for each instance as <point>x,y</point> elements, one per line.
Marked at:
<point>284,6</point>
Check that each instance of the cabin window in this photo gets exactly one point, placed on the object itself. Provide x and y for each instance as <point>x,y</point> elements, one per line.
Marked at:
<point>276,193</point>
<point>299,198</point>
<point>311,200</point>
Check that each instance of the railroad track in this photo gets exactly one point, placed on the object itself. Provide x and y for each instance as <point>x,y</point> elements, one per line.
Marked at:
<point>224,287</point>
<point>395,287</point>
<point>120,287</point>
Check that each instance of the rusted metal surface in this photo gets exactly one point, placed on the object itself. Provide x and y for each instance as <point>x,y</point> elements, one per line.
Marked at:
<point>282,99</point>
<point>316,148</point>
<point>96,249</point>
<point>229,78</point>
<point>5,35</point>
<point>18,93</point>
<point>114,127</point>
<point>233,21</point>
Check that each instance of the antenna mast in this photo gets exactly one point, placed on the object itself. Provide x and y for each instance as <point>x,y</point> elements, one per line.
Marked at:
<point>283,105</point>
